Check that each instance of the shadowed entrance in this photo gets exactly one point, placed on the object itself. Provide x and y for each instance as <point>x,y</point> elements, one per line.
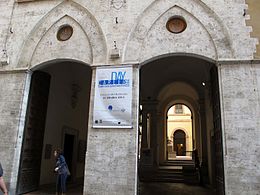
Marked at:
<point>189,81</point>
<point>63,125</point>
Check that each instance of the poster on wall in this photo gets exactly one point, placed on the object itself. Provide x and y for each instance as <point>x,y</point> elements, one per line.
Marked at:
<point>113,98</point>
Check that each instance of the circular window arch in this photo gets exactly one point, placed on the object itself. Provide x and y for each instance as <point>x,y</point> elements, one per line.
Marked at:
<point>176,24</point>
<point>64,33</point>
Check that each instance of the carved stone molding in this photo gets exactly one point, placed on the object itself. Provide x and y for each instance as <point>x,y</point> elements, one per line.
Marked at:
<point>117,4</point>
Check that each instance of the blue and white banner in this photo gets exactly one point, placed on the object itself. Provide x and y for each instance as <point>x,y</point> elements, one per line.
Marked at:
<point>113,98</point>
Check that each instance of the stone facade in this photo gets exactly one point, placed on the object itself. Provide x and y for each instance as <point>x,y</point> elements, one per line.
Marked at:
<point>216,32</point>
<point>241,125</point>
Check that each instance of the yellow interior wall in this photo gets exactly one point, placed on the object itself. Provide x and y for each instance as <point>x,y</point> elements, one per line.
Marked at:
<point>254,12</point>
<point>183,122</point>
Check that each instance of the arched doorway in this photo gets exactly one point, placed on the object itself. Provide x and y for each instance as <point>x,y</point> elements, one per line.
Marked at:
<point>179,80</point>
<point>179,141</point>
<point>179,132</point>
<point>57,117</point>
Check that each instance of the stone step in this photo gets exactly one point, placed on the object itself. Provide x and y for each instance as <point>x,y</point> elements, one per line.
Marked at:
<point>171,180</point>
<point>182,173</point>
<point>178,163</point>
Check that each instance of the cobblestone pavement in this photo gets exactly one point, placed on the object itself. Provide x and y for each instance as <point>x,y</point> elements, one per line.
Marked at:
<point>144,189</point>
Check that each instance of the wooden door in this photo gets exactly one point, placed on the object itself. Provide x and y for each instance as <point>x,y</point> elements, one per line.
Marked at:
<point>30,166</point>
<point>219,167</point>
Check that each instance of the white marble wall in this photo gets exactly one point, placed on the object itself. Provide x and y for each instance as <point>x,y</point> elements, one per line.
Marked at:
<point>216,29</point>
<point>240,87</point>
<point>111,158</point>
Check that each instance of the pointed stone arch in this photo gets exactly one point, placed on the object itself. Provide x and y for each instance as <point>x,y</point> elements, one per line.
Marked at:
<point>82,18</point>
<point>214,30</point>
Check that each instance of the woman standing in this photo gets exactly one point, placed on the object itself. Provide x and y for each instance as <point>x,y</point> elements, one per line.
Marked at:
<point>61,169</point>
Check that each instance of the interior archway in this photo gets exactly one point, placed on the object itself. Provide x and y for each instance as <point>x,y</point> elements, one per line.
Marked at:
<point>179,132</point>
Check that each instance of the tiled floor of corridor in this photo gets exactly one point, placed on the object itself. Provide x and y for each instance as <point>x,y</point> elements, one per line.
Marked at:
<point>144,189</point>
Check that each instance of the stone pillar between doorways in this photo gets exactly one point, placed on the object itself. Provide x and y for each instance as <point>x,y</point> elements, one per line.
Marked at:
<point>111,156</point>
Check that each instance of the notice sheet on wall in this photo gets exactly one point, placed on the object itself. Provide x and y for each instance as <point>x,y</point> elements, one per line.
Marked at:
<point>113,98</point>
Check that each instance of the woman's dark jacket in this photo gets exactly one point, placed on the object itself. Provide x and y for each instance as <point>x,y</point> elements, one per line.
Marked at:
<point>61,164</point>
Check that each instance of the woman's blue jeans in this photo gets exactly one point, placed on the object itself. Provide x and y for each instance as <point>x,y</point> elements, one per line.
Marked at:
<point>61,183</point>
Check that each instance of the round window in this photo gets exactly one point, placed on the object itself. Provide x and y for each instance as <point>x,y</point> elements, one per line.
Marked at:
<point>176,24</point>
<point>64,33</point>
